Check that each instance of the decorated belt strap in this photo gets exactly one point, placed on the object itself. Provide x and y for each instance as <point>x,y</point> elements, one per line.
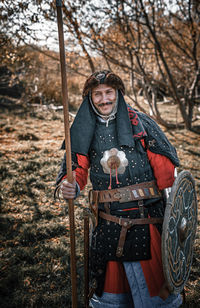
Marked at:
<point>146,190</point>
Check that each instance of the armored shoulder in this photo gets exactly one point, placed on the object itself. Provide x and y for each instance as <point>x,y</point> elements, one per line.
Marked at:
<point>156,141</point>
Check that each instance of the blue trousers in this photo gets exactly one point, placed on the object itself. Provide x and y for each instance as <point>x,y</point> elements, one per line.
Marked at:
<point>139,296</point>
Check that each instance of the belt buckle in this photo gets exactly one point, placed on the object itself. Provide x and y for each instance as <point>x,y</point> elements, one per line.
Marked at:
<point>123,195</point>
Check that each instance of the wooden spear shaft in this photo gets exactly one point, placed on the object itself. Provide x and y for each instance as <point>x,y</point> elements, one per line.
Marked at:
<point>68,150</point>
<point>86,258</point>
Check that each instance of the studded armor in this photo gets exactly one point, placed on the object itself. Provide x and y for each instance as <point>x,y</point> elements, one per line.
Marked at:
<point>91,137</point>
<point>106,235</point>
<point>137,171</point>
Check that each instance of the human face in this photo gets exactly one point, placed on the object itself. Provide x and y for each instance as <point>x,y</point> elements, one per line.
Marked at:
<point>104,99</point>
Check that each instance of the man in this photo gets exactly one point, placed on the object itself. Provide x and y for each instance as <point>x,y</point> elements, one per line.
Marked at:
<point>131,162</point>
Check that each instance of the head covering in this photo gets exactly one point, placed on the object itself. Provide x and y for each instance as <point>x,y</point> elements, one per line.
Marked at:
<point>103,77</point>
<point>83,127</point>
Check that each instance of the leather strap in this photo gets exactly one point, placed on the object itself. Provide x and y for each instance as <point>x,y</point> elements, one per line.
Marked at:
<point>145,190</point>
<point>127,223</point>
<point>121,242</point>
<point>93,201</point>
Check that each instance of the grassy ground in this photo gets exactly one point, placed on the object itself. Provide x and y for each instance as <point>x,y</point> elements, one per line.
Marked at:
<point>34,229</point>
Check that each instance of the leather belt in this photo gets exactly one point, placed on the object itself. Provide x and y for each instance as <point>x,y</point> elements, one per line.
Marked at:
<point>145,190</point>
<point>127,223</point>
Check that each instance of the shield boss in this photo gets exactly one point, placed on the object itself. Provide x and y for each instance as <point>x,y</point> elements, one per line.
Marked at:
<point>179,228</point>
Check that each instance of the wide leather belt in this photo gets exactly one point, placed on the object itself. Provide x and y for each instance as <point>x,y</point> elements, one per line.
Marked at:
<point>127,223</point>
<point>146,190</point>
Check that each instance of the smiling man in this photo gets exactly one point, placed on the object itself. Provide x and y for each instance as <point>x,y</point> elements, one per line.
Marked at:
<point>131,162</point>
<point>104,99</point>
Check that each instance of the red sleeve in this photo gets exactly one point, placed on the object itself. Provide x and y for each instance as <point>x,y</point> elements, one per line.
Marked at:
<point>81,171</point>
<point>163,169</point>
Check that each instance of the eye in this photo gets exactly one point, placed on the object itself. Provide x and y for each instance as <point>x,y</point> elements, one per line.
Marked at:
<point>110,91</point>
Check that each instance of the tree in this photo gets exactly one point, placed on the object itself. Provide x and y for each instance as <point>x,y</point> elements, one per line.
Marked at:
<point>32,23</point>
<point>156,44</point>
<point>21,49</point>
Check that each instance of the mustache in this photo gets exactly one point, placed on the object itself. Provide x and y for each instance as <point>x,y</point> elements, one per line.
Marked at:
<point>104,104</point>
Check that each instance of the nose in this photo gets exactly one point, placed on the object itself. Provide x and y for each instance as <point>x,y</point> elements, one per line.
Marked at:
<point>104,98</point>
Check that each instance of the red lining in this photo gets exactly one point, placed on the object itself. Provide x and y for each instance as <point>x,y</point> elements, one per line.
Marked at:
<point>116,281</point>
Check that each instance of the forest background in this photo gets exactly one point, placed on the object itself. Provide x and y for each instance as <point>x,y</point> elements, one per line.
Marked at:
<point>155,47</point>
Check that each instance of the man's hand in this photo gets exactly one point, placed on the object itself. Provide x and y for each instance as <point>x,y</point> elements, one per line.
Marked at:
<point>68,190</point>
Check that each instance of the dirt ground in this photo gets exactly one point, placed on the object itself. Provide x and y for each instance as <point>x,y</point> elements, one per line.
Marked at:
<point>34,228</point>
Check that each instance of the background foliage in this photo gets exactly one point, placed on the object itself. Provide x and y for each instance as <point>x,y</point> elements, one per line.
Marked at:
<point>153,44</point>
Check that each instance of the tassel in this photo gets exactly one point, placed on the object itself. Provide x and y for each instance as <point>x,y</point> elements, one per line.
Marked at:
<point>117,181</point>
<point>110,187</point>
<point>116,177</point>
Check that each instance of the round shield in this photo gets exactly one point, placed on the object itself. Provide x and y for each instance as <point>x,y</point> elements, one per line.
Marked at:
<point>178,235</point>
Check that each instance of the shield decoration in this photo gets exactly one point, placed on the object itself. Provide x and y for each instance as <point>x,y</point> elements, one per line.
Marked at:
<point>179,229</point>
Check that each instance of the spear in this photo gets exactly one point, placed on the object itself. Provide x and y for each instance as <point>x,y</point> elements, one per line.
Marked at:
<point>65,102</point>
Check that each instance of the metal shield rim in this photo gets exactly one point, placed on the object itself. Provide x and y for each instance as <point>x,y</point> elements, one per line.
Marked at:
<point>183,174</point>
